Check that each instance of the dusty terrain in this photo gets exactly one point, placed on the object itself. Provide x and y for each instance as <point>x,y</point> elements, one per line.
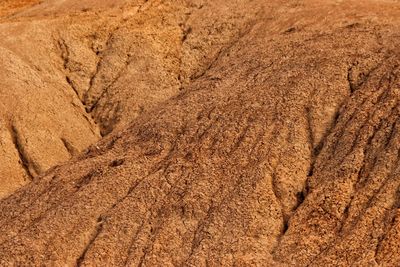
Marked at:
<point>200,133</point>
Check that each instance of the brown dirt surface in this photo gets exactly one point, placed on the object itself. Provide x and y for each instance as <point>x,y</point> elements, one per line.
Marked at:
<point>200,133</point>
<point>9,7</point>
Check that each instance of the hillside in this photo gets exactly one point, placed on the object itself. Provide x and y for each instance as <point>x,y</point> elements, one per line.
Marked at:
<point>200,133</point>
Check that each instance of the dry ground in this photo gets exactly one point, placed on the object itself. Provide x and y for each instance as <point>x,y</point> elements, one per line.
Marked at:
<point>200,133</point>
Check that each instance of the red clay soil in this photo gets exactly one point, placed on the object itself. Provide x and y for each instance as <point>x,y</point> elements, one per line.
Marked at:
<point>239,133</point>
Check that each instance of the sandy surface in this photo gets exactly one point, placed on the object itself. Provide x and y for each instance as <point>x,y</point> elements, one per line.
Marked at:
<point>10,7</point>
<point>200,133</point>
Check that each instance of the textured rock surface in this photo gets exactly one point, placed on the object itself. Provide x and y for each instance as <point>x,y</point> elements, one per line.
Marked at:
<point>238,134</point>
<point>74,69</point>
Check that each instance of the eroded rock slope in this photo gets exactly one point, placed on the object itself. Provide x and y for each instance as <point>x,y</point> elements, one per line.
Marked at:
<point>276,143</point>
<point>75,70</point>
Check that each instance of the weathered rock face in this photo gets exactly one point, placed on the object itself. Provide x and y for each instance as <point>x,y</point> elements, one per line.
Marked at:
<point>238,134</point>
<point>72,70</point>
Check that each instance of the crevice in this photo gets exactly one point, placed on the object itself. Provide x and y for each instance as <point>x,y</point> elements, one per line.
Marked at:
<point>274,182</point>
<point>207,220</point>
<point>133,239</point>
<point>69,147</point>
<point>352,86</point>
<point>101,219</point>
<point>356,83</point>
<point>100,57</point>
<point>198,236</point>
<point>315,149</point>
<point>318,148</point>
<point>117,162</point>
<point>86,179</point>
<point>64,52</point>
<point>373,198</point>
<point>91,106</point>
<point>154,231</point>
<point>65,56</point>
<point>129,192</point>
<point>95,234</point>
<point>300,197</point>
<point>223,51</point>
<point>346,103</point>
<point>285,218</point>
<point>71,84</point>
<point>23,158</point>
<point>311,134</point>
<point>285,228</point>
<point>278,196</point>
<point>241,138</point>
<point>186,30</point>
<point>290,30</point>
<point>389,223</point>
